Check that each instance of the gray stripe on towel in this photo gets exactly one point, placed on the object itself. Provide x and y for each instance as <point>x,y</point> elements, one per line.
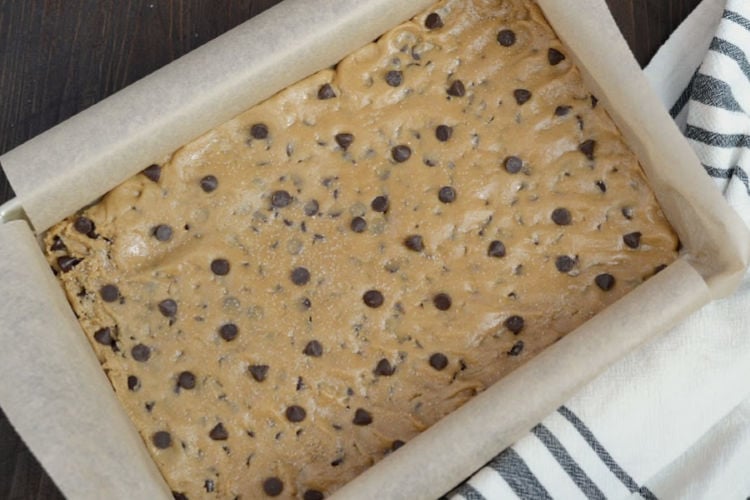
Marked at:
<point>728,173</point>
<point>604,455</point>
<point>713,92</point>
<point>469,492</point>
<point>716,139</point>
<point>519,477</point>
<point>569,465</point>
<point>682,101</point>
<point>736,18</point>
<point>732,51</point>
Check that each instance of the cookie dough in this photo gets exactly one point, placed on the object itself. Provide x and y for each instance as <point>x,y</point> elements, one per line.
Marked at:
<point>297,293</point>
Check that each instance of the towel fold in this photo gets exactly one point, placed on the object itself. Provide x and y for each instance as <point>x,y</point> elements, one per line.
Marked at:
<point>671,420</point>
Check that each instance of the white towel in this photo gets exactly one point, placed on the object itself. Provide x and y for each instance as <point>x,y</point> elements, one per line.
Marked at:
<point>671,420</point>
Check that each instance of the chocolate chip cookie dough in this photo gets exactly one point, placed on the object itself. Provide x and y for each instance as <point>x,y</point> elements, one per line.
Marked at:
<point>300,291</point>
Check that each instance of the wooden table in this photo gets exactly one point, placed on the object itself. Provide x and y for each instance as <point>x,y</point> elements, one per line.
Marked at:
<point>59,57</point>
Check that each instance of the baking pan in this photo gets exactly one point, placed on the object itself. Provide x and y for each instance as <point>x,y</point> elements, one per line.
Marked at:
<point>53,389</point>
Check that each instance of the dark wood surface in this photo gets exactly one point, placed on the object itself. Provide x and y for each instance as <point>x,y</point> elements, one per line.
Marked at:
<point>57,57</point>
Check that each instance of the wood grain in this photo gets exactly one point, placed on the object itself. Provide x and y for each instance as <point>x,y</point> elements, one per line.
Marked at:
<point>59,57</point>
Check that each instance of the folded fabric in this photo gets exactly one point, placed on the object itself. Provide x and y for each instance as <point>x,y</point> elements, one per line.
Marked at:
<point>671,419</point>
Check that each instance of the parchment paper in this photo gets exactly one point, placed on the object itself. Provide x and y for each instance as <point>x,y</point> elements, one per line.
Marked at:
<point>62,170</point>
<point>53,389</point>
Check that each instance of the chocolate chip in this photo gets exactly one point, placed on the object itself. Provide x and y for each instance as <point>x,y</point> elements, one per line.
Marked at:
<point>394,78</point>
<point>179,496</point>
<point>273,486</point>
<point>433,21</point>
<point>295,413</point>
<point>513,164</point>
<point>228,331</point>
<point>259,372</point>
<point>380,204</point>
<point>384,368</point>
<point>141,352</point>
<point>153,172</point>
<point>314,349</point>
<point>447,194</point>
<point>555,57</point>
<point>313,495</point>
<point>109,293</point>
<point>594,101</point>
<point>218,433</point>
<point>397,444</point>
<point>562,110</point>
<point>209,183</point>
<point>280,199</point>
<point>496,249</point>
<point>438,361</point>
<point>561,216</point>
<point>627,212</point>
<point>601,185</point>
<point>587,148</point>
<point>414,242</point>
<point>326,92</point>
<point>344,140</point>
<point>209,486</point>
<point>442,301</point>
<point>358,225</point>
<point>564,264</point>
<point>401,153</point>
<point>443,132</point>
<point>220,267</point>
<point>162,439</point>
<point>186,380</point>
<point>457,89</point>
<point>162,232</point>
<point>659,268</point>
<point>516,349</point>
<point>300,276</point>
<point>104,336</point>
<point>633,240</point>
<point>514,324</point>
<point>84,225</point>
<point>66,263</point>
<point>133,383</point>
<point>168,308</point>
<point>506,37</point>
<point>259,131</point>
<point>522,96</point>
<point>362,417</point>
<point>373,298</point>
<point>312,208</point>
<point>57,244</point>
<point>605,281</point>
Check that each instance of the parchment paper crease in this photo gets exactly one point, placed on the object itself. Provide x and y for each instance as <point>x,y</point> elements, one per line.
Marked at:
<point>74,163</point>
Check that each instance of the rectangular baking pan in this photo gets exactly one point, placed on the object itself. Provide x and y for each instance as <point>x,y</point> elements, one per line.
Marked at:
<point>53,389</point>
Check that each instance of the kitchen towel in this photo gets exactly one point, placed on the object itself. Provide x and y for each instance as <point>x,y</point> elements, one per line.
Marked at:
<point>672,419</point>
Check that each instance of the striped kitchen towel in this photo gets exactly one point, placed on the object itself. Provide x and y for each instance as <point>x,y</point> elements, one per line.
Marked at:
<point>671,420</point>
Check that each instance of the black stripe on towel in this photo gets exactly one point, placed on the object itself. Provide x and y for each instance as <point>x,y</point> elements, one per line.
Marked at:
<point>569,465</point>
<point>728,173</point>
<point>713,92</point>
<point>715,139</point>
<point>519,477</point>
<point>604,455</point>
<point>468,492</point>
<point>732,51</point>
<point>682,101</point>
<point>736,18</point>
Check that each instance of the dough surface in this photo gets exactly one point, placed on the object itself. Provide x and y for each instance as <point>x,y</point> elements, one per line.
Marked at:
<point>296,293</point>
